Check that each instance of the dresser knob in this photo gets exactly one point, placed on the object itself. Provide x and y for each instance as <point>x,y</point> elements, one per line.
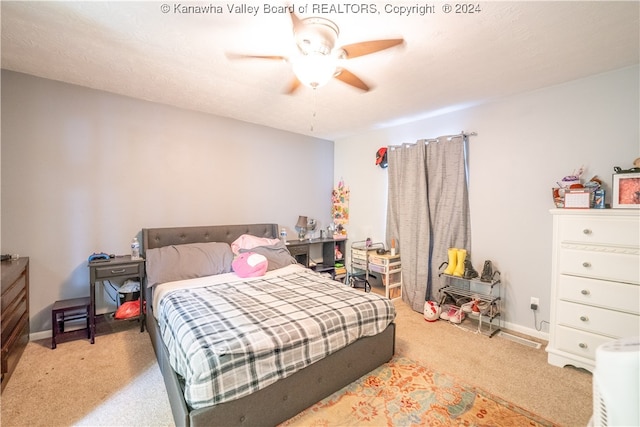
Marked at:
<point>585,292</point>
<point>582,345</point>
<point>584,318</point>
<point>586,264</point>
<point>586,231</point>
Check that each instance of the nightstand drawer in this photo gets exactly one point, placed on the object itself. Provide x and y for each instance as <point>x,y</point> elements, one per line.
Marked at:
<point>116,270</point>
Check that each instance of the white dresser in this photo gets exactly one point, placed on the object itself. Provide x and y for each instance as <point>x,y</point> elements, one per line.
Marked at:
<point>595,284</point>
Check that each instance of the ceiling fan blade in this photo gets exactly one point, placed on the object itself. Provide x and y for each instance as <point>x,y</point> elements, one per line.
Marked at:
<point>364,48</point>
<point>241,56</point>
<point>293,86</point>
<point>349,78</point>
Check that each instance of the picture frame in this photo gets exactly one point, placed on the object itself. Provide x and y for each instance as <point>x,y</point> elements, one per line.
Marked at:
<point>626,191</point>
<point>577,199</point>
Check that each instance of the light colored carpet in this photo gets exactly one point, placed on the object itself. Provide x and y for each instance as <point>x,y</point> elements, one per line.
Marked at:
<point>117,382</point>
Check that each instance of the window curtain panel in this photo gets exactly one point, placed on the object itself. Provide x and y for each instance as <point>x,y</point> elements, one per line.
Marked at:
<point>427,211</point>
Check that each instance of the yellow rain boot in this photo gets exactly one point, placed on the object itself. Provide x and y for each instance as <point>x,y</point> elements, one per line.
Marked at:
<point>452,252</point>
<point>460,257</point>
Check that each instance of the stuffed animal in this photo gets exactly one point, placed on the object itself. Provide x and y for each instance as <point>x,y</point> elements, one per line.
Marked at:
<point>250,264</point>
<point>431,311</point>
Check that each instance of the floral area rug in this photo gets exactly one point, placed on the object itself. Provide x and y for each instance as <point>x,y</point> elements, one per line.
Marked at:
<point>404,393</point>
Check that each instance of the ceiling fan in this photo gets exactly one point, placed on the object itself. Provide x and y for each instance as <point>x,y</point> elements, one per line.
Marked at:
<point>316,59</point>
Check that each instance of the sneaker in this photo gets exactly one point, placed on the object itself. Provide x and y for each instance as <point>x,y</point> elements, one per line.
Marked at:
<point>444,313</point>
<point>487,272</point>
<point>469,271</point>
<point>468,307</point>
<point>480,307</point>
<point>450,313</point>
<point>492,310</point>
<point>457,316</point>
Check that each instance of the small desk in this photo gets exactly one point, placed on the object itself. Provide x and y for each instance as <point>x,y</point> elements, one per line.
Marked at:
<point>121,267</point>
<point>300,250</point>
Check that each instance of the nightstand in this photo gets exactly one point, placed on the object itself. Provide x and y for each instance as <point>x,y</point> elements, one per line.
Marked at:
<point>118,268</point>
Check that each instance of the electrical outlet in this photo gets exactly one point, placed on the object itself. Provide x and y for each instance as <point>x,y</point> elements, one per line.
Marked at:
<point>535,302</point>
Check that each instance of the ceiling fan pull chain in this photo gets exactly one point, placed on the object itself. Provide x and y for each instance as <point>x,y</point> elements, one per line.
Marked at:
<point>315,105</point>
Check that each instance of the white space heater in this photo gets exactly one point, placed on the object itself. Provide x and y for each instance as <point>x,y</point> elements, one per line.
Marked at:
<point>616,384</point>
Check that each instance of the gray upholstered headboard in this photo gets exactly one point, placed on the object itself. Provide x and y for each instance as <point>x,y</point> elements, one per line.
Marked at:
<point>159,237</point>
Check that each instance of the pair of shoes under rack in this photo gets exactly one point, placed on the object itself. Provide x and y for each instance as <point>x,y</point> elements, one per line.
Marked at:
<point>453,314</point>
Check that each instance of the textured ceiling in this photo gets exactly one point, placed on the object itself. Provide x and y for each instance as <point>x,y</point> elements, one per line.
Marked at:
<point>449,60</point>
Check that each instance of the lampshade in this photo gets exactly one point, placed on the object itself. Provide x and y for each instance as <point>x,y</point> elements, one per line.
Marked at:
<point>302,222</point>
<point>314,69</point>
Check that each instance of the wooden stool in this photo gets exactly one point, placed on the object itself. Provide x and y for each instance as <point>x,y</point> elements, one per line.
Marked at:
<point>65,310</point>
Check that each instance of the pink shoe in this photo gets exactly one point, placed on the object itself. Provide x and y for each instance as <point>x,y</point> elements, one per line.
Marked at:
<point>468,307</point>
<point>447,311</point>
<point>457,316</point>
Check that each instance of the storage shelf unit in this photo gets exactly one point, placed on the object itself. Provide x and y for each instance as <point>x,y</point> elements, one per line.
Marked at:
<point>366,262</point>
<point>459,289</point>
<point>359,265</point>
<point>390,268</point>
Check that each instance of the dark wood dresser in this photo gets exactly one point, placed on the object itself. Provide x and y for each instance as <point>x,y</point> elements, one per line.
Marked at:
<point>15,313</point>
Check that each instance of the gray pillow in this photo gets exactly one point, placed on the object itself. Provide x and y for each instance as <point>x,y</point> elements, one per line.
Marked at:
<point>277,255</point>
<point>179,262</point>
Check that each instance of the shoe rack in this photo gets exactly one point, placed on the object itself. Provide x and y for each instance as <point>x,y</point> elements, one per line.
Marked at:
<point>486,293</point>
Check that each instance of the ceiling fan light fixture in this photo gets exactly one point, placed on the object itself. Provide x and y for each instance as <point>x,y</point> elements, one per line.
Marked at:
<point>314,70</point>
<point>316,35</point>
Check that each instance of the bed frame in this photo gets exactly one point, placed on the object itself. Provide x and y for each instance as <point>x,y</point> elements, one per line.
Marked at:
<point>283,399</point>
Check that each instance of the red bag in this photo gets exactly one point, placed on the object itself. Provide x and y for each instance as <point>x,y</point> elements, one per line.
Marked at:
<point>128,310</point>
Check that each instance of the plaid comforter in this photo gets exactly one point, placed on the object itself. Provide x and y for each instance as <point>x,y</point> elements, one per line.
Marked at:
<point>229,339</point>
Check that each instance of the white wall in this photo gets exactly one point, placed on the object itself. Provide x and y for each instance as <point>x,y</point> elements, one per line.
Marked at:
<point>84,171</point>
<point>524,145</point>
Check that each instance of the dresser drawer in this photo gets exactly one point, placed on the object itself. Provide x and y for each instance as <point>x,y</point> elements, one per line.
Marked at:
<point>116,270</point>
<point>617,266</point>
<point>623,231</point>
<point>612,323</point>
<point>384,259</point>
<point>15,291</point>
<point>578,342</point>
<point>614,295</point>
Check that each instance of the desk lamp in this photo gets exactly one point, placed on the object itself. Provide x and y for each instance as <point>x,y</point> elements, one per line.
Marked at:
<point>301,226</point>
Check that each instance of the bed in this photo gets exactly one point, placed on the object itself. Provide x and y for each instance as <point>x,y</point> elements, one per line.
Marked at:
<point>283,397</point>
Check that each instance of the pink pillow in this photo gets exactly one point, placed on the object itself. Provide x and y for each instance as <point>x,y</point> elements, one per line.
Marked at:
<point>250,264</point>
<point>247,241</point>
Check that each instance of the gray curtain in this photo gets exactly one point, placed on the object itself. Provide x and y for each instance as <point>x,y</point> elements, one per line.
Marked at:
<point>427,211</point>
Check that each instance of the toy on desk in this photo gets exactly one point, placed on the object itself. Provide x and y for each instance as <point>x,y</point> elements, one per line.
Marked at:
<point>100,257</point>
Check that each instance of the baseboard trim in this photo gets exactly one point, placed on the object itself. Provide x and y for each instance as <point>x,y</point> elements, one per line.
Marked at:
<point>508,326</point>
<point>69,326</point>
<point>526,331</point>
<point>35,336</point>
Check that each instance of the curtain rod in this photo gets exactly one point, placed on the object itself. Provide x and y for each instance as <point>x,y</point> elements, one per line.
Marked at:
<point>449,137</point>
